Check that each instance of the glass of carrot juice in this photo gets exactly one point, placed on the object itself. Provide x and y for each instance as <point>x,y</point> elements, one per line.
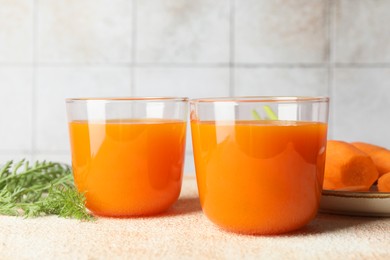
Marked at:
<point>128,153</point>
<point>259,161</point>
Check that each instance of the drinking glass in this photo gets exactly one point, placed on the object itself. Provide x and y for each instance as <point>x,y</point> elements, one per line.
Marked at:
<point>128,153</point>
<point>259,160</point>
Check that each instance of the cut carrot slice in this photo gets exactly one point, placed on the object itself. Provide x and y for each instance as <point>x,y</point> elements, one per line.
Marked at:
<point>348,168</point>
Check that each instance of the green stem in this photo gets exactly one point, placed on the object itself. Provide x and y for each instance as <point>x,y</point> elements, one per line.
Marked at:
<point>256,115</point>
<point>270,113</point>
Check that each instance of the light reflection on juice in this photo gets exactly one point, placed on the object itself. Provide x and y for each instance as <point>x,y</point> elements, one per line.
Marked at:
<point>128,167</point>
<point>261,177</point>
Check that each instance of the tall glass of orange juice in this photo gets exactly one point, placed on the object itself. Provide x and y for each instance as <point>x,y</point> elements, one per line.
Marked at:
<point>128,153</point>
<point>259,160</point>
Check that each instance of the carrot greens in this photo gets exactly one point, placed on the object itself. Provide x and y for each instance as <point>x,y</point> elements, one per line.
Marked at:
<point>39,189</point>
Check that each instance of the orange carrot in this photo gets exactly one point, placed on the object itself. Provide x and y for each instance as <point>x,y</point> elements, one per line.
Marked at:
<point>384,183</point>
<point>381,159</point>
<point>348,168</point>
<point>380,156</point>
<point>366,147</point>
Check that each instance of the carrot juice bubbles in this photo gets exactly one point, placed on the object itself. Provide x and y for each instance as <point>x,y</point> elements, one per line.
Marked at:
<point>128,158</point>
<point>262,175</point>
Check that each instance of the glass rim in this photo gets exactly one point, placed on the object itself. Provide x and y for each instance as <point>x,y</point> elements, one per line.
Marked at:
<point>125,99</point>
<point>262,99</point>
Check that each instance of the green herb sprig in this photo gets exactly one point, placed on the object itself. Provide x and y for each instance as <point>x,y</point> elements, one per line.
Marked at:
<point>39,189</point>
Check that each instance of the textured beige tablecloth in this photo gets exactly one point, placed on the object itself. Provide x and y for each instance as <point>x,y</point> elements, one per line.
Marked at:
<point>184,232</point>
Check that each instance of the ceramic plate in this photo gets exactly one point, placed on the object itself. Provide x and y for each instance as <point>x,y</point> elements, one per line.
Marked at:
<point>356,203</point>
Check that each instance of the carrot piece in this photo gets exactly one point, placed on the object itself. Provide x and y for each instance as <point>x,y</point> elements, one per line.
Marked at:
<point>381,159</point>
<point>348,168</point>
<point>366,147</point>
<point>380,156</point>
<point>384,183</point>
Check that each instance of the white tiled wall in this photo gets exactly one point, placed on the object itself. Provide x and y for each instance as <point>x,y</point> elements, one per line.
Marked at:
<point>50,50</point>
<point>280,31</point>
<point>281,81</point>
<point>16,31</point>
<point>75,31</point>
<point>182,31</point>
<point>15,108</point>
<point>362,31</point>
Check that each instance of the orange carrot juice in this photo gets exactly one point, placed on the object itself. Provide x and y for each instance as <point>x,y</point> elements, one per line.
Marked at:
<point>261,177</point>
<point>128,167</point>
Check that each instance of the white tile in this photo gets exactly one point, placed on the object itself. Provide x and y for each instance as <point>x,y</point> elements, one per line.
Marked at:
<point>360,107</point>
<point>175,31</point>
<point>362,31</point>
<point>281,82</point>
<point>84,31</point>
<point>53,157</point>
<point>16,30</point>
<point>189,166</point>
<point>280,31</point>
<point>56,84</point>
<point>188,134</point>
<point>15,109</point>
<point>13,156</point>
<point>187,82</point>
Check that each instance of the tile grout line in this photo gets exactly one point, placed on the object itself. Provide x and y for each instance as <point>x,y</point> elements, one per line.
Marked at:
<point>231,48</point>
<point>205,65</point>
<point>34,79</point>
<point>133,48</point>
<point>328,44</point>
<point>55,152</point>
<point>331,64</point>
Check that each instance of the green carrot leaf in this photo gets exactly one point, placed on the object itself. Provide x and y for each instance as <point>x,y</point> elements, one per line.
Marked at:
<point>40,189</point>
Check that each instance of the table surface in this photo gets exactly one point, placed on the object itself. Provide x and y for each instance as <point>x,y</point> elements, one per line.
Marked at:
<point>184,232</point>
